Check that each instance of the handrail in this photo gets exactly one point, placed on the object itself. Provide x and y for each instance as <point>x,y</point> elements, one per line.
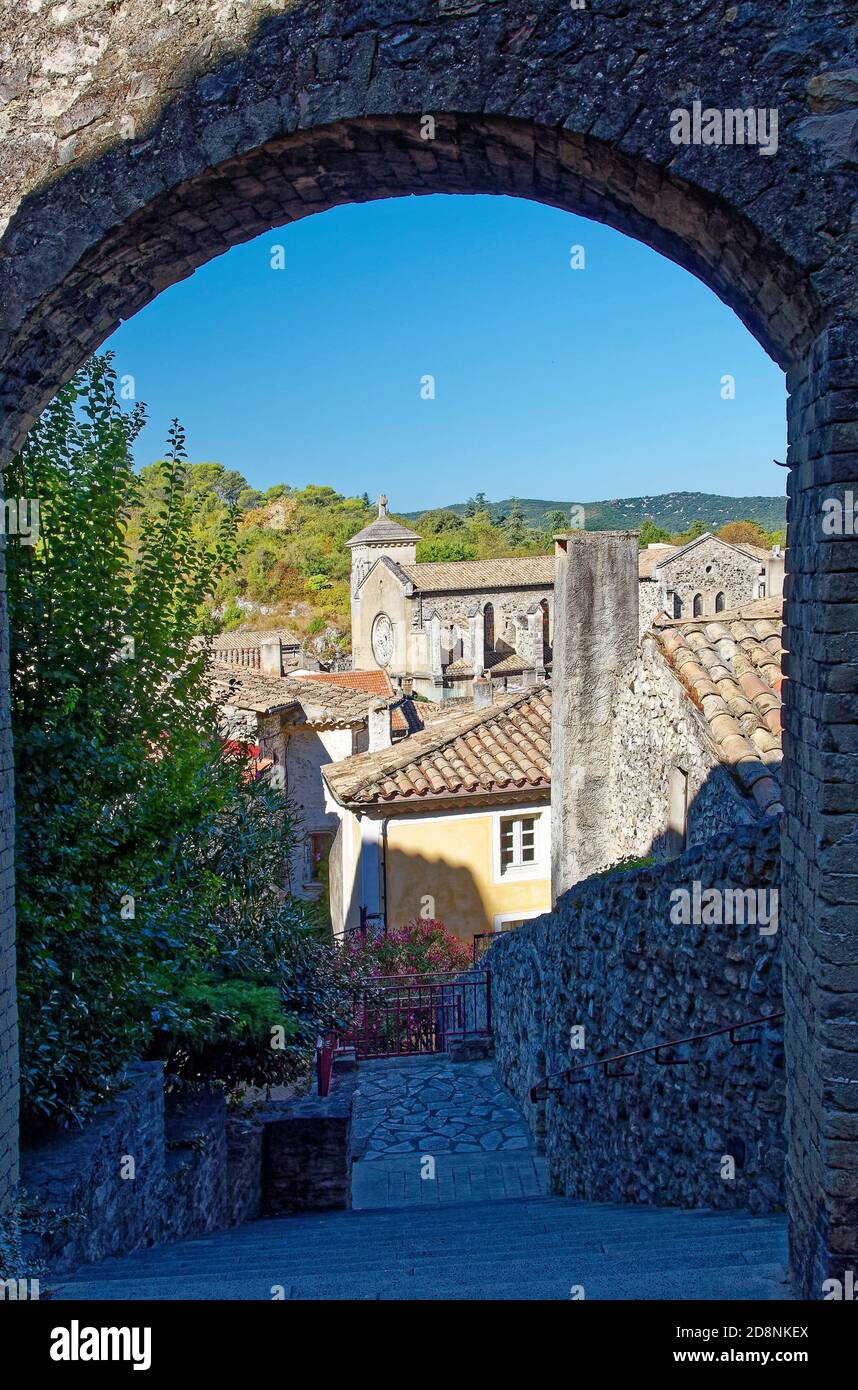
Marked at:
<point>571,1076</point>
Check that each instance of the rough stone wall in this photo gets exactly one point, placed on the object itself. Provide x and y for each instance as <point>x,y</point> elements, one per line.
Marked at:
<point>656,729</point>
<point>610,959</point>
<point>8,1001</point>
<point>650,603</point>
<point>711,567</point>
<point>195,1168</point>
<point>307,1153</point>
<point>81,1173</point>
<point>820,832</point>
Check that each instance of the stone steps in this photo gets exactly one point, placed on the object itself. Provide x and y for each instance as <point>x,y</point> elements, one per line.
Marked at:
<point>534,1249</point>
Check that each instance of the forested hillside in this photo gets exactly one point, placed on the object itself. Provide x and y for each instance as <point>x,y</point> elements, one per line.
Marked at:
<point>293,563</point>
<point>671,511</point>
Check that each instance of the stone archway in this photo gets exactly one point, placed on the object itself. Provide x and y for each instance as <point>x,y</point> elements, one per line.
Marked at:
<point>141,145</point>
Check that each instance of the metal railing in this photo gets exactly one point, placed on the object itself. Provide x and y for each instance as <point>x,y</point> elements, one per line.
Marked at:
<point>575,1075</point>
<point>411,1015</point>
<point>370,923</point>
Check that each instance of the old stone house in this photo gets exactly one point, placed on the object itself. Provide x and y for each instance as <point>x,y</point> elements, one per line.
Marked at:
<point>435,626</point>
<point>695,744</point>
<point>708,575</point>
<point>299,724</point>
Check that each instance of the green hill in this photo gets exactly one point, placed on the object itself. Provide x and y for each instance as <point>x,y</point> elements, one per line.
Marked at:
<point>674,511</point>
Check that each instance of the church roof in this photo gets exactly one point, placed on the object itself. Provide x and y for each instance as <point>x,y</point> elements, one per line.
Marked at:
<point>518,571</point>
<point>383,529</point>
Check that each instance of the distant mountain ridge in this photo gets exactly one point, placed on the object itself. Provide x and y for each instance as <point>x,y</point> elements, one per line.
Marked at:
<point>674,511</point>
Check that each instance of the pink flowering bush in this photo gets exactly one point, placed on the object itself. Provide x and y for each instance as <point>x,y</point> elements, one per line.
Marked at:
<point>423,946</point>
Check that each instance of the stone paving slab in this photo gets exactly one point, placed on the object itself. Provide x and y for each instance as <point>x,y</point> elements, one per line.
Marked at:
<point>430,1105</point>
<point>405,1180</point>
<point>428,1132</point>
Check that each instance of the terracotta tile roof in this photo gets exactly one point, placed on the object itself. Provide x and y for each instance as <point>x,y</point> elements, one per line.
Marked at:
<point>731,667</point>
<point>510,665</point>
<point>312,703</point>
<point>244,639</point>
<point>506,747</point>
<point>373,682</point>
<point>519,571</point>
<point>650,557</point>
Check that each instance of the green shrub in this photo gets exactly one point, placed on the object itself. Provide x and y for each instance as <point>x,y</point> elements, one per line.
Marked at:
<point>147,865</point>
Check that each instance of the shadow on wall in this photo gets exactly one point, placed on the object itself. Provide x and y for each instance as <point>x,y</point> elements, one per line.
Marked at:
<point>419,886</point>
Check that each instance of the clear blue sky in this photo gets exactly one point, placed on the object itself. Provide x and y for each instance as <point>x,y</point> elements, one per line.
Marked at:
<point>550,382</point>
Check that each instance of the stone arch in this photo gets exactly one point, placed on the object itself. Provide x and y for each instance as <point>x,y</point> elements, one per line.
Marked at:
<point>102,268</point>
<point>150,165</point>
<point>720,602</point>
<point>697,606</point>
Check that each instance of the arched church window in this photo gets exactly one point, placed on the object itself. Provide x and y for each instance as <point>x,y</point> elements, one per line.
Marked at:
<point>546,632</point>
<point>698,605</point>
<point>488,632</point>
<point>677,606</point>
<point>720,603</point>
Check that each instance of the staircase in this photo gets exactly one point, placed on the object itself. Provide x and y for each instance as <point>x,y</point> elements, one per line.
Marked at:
<point>538,1248</point>
<point>482,1228</point>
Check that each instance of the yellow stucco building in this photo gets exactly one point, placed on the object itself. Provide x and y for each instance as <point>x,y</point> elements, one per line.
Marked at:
<point>452,822</point>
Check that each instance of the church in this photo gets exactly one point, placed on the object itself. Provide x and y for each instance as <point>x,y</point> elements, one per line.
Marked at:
<point>435,627</point>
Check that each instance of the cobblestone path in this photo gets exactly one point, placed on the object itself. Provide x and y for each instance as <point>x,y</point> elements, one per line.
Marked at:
<point>459,1116</point>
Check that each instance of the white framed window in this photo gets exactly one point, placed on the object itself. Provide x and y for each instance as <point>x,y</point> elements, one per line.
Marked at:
<point>517,842</point>
<point>520,848</point>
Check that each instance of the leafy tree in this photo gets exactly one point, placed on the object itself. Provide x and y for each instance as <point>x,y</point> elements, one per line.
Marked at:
<point>139,842</point>
<point>697,528</point>
<point>432,523</point>
<point>556,521</point>
<point>515,526</point>
<point>744,533</point>
<point>446,548</point>
<point>650,534</point>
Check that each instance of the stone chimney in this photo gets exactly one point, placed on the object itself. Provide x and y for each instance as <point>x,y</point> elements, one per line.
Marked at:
<point>378,725</point>
<point>483,693</point>
<point>271,657</point>
<point>595,647</point>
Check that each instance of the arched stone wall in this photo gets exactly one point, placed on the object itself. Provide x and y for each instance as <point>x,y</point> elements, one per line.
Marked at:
<point>145,137</point>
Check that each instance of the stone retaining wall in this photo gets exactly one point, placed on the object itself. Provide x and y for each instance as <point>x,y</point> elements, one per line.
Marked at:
<point>148,1170</point>
<point>611,959</point>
